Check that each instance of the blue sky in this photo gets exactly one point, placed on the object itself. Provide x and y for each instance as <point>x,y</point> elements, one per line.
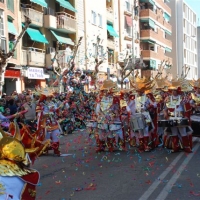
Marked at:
<point>195,5</point>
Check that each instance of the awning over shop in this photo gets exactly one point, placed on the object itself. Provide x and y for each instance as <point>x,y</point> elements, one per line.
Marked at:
<point>166,16</point>
<point>168,49</point>
<point>61,39</point>
<point>112,31</point>
<point>36,35</point>
<point>40,2</point>
<point>153,64</point>
<point>168,32</point>
<point>149,21</point>
<point>148,1</point>
<point>129,21</point>
<point>11,28</point>
<point>67,5</point>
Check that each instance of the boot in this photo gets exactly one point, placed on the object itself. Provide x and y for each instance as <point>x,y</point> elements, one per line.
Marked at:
<point>190,140</point>
<point>186,145</point>
<point>121,144</point>
<point>175,145</point>
<point>132,142</point>
<point>100,146</point>
<point>154,140</point>
<point>55,147</point>
<point>146,144</point>
<point>141,144</point>
<point>110,144</point>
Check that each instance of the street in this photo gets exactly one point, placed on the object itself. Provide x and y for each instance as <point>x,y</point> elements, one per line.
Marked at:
<point>131,175</point>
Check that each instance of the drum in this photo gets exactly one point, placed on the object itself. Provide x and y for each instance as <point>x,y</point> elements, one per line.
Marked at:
<point>195,123</point>
<point>137,122</point>
<point>91,124</point>
<point>115,126</point>
<point>102,126</point>
<point>180,122</point>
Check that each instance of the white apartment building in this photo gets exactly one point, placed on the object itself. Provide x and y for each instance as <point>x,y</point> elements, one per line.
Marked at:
<point>184,39</point>
<point>198,49</point>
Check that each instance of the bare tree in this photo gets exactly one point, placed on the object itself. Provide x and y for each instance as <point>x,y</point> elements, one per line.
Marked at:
<point>62,70</point>
<point>5,57</point>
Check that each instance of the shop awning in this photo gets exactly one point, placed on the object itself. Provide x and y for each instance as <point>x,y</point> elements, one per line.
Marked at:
<point>11,28</point>
<point>40,2</point>
<point>67,5</point>
<point>129,21</point>
<point>112,31</point>
<point>168,32</point>
<point>148,1</point>
<point>36,35</point>
<point>61,39</point>
<point>149,21</point>
<point>168,49</point>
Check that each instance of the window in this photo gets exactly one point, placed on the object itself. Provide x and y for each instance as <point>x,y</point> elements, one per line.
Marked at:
<point>2,1</point>
<point>100,20</point>
<point>127,29</point>
<point>1,23</point>
<point>3,44</point>
<point>94,17</point>
<point>127,5</point>
<point>10,5</point>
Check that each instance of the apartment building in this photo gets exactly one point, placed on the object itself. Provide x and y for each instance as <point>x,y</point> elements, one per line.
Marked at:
<point>155,26</point>
<point>9,17</point>
<point>51,21</point>
<point>184,39</point>
<point>198,50</point>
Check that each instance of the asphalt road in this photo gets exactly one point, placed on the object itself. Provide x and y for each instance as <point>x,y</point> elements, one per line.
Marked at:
<point>131,175</point>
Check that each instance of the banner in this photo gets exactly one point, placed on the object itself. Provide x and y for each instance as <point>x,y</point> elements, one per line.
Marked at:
<point>35,73</point>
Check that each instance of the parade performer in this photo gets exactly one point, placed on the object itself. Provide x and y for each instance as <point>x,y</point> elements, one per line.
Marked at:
<point>174,113</point>
<point>108,119</point>
<point>141,121</point>
<point>17,180</point>
<point>47,110</point>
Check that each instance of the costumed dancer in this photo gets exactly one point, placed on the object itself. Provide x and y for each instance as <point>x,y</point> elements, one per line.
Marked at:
<point>48,110</point>
<point>108,119</point>
<point>141,121</point>
<point>17,180</point>
<point>174,111</point>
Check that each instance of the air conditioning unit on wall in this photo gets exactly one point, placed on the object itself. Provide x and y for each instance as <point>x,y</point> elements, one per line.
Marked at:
<point>50,50</point>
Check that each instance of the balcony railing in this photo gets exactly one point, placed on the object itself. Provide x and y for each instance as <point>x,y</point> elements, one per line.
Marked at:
<point>33,57</point>
<point>155,36</point>
<point>147,54</point>
<point>163,5</point>
<point>113,68</point>
<point>111,43</point>
<point>110,15</point>
<point>148,13</point>
<point>66,21</point>
<point>35,16</point>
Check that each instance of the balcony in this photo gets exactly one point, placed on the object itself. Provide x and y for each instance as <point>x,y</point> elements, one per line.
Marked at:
<point>35,16</point>
<point>147,54</point>
<point>33,57</point>
<point>63,58</point>
<point>128,34</point>
<point>150,34</point>
<point>148,13</point>
<point>110,15</point>
<point>113,68</point>
<point>128,9</point>
<point>163,5</point>
<point>66,22</point>
<point>111,43</point>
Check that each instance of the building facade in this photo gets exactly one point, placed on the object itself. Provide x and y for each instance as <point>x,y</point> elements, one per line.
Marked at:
<point>198,50</point>
<point>184,39</point>
<point>154,27</point>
